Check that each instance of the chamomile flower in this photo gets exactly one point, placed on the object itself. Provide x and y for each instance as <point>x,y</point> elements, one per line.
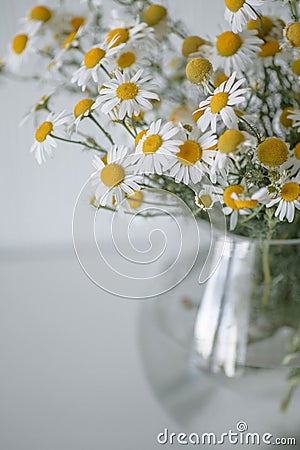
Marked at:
<point>293,163</point>
<point>235,51</point>
<point>82,110</point>
<point>94,61</point>
<point>221,104</point>
<point>113,178</point>
<point>288,200</point>
<point>268,51</point>
<point>126,95</point>
<point>237,203</point>
<point>21,48</point>
<point>194,157</point>
<point>272,152</point>
<point>156,148</point>
<point>239,12</point>
<point>193,46</point>
<point>137,34</point>
<point>44,142</point>
<point>41,105</point>
<point>131,59</point>
<point>199,71</point>
<point>36,17</point>
<point>231,144</point>
<point>295,117</point>
<point>207,197</point>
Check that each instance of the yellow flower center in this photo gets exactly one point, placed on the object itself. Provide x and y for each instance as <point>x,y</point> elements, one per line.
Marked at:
<point>272,152</point>
<point>191,44</point>
<point>269,48</point>
<point>234,189</point>
<point>135,200</point>
<point>228,43</point>
<point>93,57</point>
<point>297,151</point>
<point>220,79</point>
<point>118,36</point>
<point>139,136</point>
<point>190,152</point>
<point>205,201</point>
<point>284,120</point>
<point>83,106</point>
<point>19,43</point>
<point>197,113</point>
<point>197,70</point>
<point>262,25</point>
<point>237,204</point>
<point>234,5</point>
<point>296,67</point>
<point>126,60</point>
<point>70,38</point>
<point>41,13</point>
<point>152,144</point>
<point>112,175</point>
<point>154,14</point>
<point>230,140</point>
<point>293,34</point>
<point>240,204</point>
<point>290,192</point>
<point>43,131</point>
<point>218,102</point>
<point>127,91</point>
<point>77,22</point>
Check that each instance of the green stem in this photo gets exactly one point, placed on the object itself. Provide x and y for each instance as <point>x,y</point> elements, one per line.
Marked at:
<point>288,396</point>
<point>102,129</point>
<point>71,141</point>
<point>251,128</point>
<point>122,122</point>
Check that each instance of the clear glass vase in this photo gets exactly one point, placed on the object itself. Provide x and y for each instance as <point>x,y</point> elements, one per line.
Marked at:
<point>249,314</point>
<point>235,337</point>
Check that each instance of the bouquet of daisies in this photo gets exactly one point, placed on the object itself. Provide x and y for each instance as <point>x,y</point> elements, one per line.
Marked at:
<point>214,119</point>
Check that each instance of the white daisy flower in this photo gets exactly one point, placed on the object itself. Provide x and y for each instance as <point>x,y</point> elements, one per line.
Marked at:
<point>194,156</point>
<point>36,17</point>
<point>97,58</point>
<point>22,46</point>
<point>288,200</point>
<point>207,197</point>
<point>127,95</point>
<point>231,145</point>
<point>237,203</point>
<point>156,148</point>
<point>221,104</point>
<point>44,142</point>
<point>113,178</point>
<point>235,51</point>
<point>295,117</point>
<point>293,163</point>
<point>134,33</point>
<point>239,12</point>
<point>82,109</point>
<point>131,59</point>
<point>41,105</point>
